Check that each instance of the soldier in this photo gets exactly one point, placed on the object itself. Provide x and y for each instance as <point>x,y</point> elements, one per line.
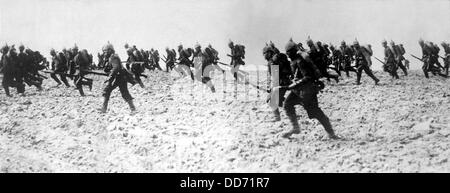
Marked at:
<point>428,58</point>
<point>347,58</point>
<point>281,74</point>
<point>362,61</point>
<point>118,77</point>
<point>446,57</point>
<point>170,60</point>
<point>31,65</point>
<point>304,91</point>
<point>184,62</point>
<point>390,64</point>
<point>398,54</point>
<point>135,66</point>
<point>237,55</point>
<point>70,60</point>
<point>82,63</point>
<point>336,56</point>
<point>155,58</point>
<point>59,65</point>
<point>317,54</point>
<point>214,58</point>
<point>9,68</point>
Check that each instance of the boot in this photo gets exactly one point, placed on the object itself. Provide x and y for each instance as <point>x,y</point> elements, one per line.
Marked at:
<point>105,105</point>
<point>7,91</point>
<point>276,115</point>
<point>89,83</point>
<point>295,127</point>
<point>213,90</point>
<point>131,104</point>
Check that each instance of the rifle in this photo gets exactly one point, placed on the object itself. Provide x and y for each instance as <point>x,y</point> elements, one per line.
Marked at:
<point>417,58</point>
<point>96,73</point>
<point>61,73</point>
<point>380,61</point>
<point>132,62</point>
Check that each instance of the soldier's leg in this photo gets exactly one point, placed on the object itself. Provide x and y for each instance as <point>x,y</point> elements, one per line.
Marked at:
<point>311,106</point>
<point>64,80</point>
<point>5,84</point>
<point>53,76</point>
<point>358,75</point>
<point>20,85</point>
<point>370,73</point>
<point>425,69</point>
<point>403,67</point>
<point>123,87</point>
<point>289,107</point>
<point>106,93</point>
<point>137,76</point>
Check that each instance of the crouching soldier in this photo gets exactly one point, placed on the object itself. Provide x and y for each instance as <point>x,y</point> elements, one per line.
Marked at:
<point>118,77</point>
<point>304,91</point>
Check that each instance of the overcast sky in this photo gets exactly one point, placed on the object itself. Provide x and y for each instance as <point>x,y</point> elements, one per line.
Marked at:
<point>45,24</point>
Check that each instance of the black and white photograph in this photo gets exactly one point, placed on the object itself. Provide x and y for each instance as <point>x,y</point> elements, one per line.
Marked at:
<point>225,86</point>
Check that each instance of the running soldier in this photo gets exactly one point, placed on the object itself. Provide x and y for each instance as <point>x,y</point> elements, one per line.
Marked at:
<point>304,91</point>
<point>363,62</point>
<point>118,77</point>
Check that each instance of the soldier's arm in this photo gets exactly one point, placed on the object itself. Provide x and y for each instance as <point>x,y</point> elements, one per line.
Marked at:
<point>305,78</point>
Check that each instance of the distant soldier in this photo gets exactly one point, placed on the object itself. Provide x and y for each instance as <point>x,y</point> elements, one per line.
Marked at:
<point>362,62</point>
<point>118,77</point>
<point>317,54</point>
<point>155,58</point>
<point>82,63</point>
<point>446,57</point>
<point>170,60</point>
<point>59,65</point>
<point>390,64</point>
<point>133,65</point>
<point>31,66</point>
<point>280,75</point>
<point>429,58</point>
<point>184,62</point>
<point>336,56</point>
<point>9,68</point>
<point>304,91</point>
<point>237,55</point>
<point>398,54</point>
<point>214,57</point>
<point>347,58</point>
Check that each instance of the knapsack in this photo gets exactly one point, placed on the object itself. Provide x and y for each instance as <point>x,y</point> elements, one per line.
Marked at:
<point>62,58</point>
<point>240,50</point>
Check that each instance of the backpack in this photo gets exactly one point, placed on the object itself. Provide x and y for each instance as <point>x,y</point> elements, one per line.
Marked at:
<point>368,49</point>
<point>240,50</point>
<point>402,50</point>
<point>62,58</point>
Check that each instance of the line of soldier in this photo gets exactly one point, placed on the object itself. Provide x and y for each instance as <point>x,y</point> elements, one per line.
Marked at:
<point>20,68</point>
<point>301,75</point>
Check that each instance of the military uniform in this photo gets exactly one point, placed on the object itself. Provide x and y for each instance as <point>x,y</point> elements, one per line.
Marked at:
<point>399,58</point>
<point>347,57</point>
<point>304,90</point>
<point>82,62</point>
<point>11,73</point>
<point>59,65</point>
<point>118,77</point>
<point>362,59</point>
<point>390,64</point>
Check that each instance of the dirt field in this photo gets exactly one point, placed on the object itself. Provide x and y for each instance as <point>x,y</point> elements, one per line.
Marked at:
<point>399,126</point>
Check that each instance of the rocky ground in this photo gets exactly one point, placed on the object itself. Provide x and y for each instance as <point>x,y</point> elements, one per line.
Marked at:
<point>398,126</point>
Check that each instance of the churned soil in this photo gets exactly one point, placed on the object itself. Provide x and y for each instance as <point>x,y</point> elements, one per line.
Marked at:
<point>397,126</point>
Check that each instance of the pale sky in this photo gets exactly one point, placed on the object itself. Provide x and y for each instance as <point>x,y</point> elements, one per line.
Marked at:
<point>45,24</point>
